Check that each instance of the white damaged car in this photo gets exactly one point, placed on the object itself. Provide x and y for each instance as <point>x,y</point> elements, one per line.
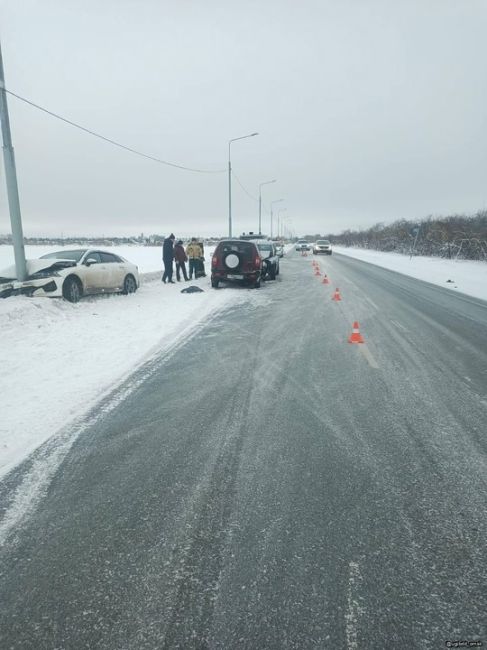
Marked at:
<point>71,274</point>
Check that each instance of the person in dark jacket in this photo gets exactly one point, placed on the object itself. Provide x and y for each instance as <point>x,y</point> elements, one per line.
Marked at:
<point>167,258</point>
<point>181,259</point>
<point>200,265</point>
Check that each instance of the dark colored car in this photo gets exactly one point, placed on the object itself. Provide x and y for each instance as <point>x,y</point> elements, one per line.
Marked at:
<point>236,260</point>
<point>270,259</point>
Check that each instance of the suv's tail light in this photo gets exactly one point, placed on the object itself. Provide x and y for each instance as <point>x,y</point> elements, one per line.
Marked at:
<point>258,261</point>
<point>214,260</point>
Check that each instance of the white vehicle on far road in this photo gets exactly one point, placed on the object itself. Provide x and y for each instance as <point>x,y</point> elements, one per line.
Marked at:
<point>71,274</point>
<point>322,246</point>
<point>302,245</point>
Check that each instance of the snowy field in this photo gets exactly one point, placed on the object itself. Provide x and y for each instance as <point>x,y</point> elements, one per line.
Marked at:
<point>465,276</point>
<point>59,359</point>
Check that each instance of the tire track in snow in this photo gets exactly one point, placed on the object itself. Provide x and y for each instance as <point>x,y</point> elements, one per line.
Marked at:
<point>354,609</point>
<point>46,460</point>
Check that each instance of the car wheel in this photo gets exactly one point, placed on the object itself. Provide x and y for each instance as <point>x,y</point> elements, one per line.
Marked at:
<point>272,273</point>
<point>129,285</point>
<point>215,283</point>
<point>72,289</point>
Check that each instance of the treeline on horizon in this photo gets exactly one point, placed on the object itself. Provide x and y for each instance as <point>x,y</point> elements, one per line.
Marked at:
<point>456,236</point>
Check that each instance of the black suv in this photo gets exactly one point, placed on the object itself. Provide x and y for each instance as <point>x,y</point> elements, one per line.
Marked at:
<point>236,260</point>
<point>270,258</point>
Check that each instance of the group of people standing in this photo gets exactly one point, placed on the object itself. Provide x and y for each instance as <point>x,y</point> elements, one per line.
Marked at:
<point>174,252</point>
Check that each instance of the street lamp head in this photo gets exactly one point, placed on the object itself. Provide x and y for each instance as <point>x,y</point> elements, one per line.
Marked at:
<point>267,183</point>
<point>242,137</point>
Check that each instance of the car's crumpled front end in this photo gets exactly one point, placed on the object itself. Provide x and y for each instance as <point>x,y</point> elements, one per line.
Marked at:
<point>43,279</point>
<point>6,288</point>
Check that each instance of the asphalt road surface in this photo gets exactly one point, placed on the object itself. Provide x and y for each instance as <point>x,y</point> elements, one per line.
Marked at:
<point>269,485</point>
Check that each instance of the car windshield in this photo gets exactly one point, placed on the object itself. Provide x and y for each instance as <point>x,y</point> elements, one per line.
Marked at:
<point>75,255</point>
<point>302,241</point>
<point>323,242</point>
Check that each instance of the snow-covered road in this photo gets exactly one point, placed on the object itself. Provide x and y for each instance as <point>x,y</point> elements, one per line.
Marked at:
<point>265,485</point>
<point>464,276</point>
<point>58,359</point>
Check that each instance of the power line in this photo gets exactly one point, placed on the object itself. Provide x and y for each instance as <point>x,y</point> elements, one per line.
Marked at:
<point>242,186</point>
<point>116,144</point>
<point>247,192</point>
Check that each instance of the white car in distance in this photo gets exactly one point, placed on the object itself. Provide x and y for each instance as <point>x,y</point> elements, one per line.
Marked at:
<point>322,246</point>
<point>72,274</point>
<point>302,245</point>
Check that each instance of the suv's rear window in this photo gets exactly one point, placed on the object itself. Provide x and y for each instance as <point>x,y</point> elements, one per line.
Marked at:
<point>243,247</point>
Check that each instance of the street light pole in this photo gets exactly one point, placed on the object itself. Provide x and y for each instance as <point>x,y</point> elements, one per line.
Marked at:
<point>278,213</point>
<point>260,203</point>
<point>11,179</point>
<point>272,214</point>
<point>284,221</point>
<point>251,135</point>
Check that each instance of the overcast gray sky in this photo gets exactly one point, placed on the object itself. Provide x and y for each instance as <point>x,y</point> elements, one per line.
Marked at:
<point>367,110</point>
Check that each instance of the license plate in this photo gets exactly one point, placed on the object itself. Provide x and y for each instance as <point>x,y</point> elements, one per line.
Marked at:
<point>232,276</point>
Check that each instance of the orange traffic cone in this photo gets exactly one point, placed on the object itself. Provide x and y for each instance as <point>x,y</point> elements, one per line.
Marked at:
<point>326,280</point>
<point>336,295</point>
<point>355,336</point>
<point>317,271</point>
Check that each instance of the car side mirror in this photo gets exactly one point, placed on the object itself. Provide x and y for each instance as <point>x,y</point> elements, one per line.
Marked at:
<point>90,261</point>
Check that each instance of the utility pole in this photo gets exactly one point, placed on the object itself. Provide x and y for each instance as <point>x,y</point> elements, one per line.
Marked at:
<point>11,179</point>
<point>278,219</point>
<point>229,194</point>
<point>260,202</point>
<point>251,135</point>
<point>272,213</point>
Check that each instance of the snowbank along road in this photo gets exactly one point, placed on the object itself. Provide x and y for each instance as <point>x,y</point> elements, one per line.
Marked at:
<point>269,485</point>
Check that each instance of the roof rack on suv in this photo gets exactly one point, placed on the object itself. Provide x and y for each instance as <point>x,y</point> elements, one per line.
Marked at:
<point>252,235</point>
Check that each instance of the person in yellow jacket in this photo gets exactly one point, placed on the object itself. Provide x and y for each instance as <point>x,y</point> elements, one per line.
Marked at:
<point>194,253</point>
